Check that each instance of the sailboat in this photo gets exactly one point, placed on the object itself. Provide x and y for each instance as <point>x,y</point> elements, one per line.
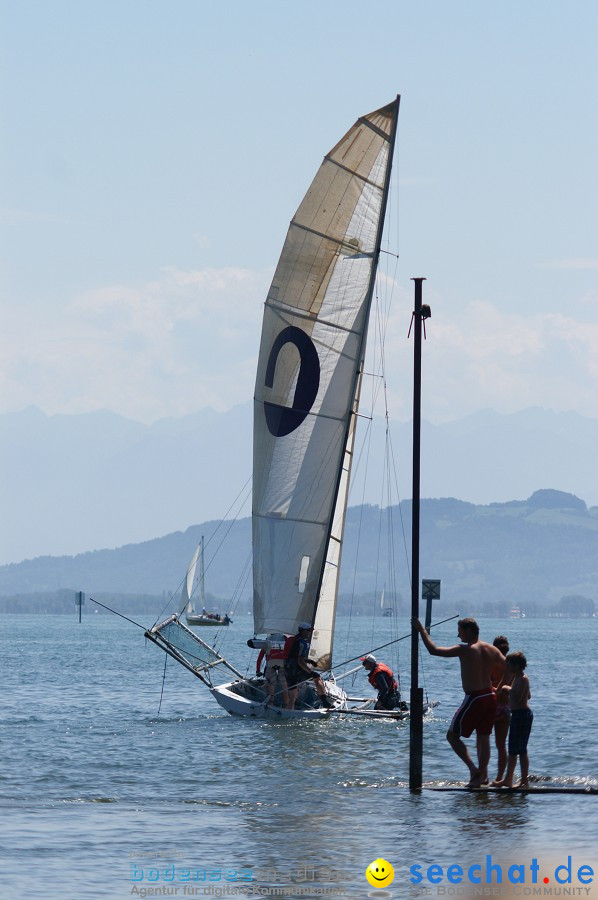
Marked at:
<point>306,405</point>
<point>188,603</point>
<point>387,611</point>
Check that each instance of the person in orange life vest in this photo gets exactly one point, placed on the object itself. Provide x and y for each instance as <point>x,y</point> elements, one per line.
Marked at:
<point>298,670</point>
<point>381,678</point>
<point>275,653</point>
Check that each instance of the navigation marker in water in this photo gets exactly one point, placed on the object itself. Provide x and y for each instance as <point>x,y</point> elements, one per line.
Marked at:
<point>79,601</point>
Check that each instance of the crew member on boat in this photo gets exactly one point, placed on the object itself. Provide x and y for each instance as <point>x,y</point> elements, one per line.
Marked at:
<point>297,667</point>
<point>382,678</point>
<point>275,653</point>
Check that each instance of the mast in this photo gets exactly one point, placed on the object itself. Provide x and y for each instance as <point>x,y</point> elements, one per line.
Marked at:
<point>416,704</point>
<point>359,371</point>
<point>202,586</point>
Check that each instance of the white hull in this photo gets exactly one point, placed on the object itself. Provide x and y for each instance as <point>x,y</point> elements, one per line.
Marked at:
<point>205,620</point>
<point>254,706</point>
<point>239,706</point>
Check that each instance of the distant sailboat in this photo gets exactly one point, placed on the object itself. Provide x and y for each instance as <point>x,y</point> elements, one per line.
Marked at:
<point>203,618</point>
<point>387,611</point>
<point>307,396</point>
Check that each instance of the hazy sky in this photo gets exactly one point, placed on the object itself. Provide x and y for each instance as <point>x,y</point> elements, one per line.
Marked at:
<point>154,152</point>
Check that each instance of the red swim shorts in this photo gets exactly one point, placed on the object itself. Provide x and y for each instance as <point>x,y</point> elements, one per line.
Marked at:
<point>476,713</point>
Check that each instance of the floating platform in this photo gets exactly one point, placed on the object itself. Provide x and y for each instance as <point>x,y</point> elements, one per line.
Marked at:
<point>536,789</point>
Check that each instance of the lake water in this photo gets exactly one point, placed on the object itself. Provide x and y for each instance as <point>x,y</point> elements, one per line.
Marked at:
<point>101,797</point>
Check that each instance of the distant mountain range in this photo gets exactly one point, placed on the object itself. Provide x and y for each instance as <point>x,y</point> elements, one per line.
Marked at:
<point>527,553</point>
<point>80,482</point>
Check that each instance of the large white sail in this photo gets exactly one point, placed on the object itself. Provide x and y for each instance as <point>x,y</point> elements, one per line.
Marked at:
<point>307,386</point>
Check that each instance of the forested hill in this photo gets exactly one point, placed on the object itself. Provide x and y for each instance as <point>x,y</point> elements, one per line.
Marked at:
<point>71,483</point>
<point>527,553</point>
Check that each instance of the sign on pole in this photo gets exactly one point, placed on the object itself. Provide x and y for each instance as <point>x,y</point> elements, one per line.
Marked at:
<point>430,591</point>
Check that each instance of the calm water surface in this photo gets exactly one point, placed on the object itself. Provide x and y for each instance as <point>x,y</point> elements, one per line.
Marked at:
<point>94,782</point>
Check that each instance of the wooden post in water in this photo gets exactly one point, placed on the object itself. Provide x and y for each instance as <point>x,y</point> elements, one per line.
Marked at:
<point>79,601</point>
<point>416,699</point>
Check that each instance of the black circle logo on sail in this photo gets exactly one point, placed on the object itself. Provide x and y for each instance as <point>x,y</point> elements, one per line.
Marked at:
<point>282,420</point>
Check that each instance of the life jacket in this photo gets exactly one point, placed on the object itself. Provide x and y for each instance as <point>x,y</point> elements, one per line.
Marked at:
<point>291,664</point>
<point>381,668</point>
<point>275,652</point>
<point>278,652</point>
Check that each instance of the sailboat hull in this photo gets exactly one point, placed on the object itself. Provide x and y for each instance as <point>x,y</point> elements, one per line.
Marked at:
<point>247,698</point>
<point>206,621</point>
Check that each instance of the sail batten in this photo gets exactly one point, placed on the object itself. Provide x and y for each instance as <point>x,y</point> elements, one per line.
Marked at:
<point>280,307</point>
<point>307,384</point>
<point>336,162</point>
<point>349,244</point>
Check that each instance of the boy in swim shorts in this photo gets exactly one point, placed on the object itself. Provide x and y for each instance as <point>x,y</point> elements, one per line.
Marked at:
<point>521,719</point>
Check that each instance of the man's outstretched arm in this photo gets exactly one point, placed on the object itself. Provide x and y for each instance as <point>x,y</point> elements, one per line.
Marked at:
<point>431,646</point>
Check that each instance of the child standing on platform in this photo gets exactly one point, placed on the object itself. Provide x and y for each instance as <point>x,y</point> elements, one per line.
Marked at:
<point>521,719</point>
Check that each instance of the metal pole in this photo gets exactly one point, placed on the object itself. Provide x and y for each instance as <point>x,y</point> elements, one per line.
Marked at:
<point>428,613</point>
<point>417,694</point>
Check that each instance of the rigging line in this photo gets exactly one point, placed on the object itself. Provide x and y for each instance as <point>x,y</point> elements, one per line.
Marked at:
<point>392,568</point>
<point>356,468</point>
<point>220,637</point>
<point>366,449</point>
<point>241,499</point>
<point>390,469</point>
<point>241,582</point>
<point>246,488</point>
<point>182,581</point>
<point>378,548</point>
<point>382,646</point>
<point>366,444</point>
<point>163,680</point>
<point>382,322</point>
<point>401,515</point>
<point>116,613</point>
<point>391,473</point>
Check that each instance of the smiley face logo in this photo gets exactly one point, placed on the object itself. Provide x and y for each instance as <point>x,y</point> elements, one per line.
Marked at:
<point>379,873</point>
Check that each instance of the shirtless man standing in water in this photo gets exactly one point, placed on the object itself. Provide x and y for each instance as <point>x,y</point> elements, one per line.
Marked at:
<point>478,660</point>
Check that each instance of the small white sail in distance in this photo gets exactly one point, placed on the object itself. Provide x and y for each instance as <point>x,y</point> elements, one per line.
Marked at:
<point>187,591</point>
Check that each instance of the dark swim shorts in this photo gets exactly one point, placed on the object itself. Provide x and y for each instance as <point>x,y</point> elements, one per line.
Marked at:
<point>521,725</point>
